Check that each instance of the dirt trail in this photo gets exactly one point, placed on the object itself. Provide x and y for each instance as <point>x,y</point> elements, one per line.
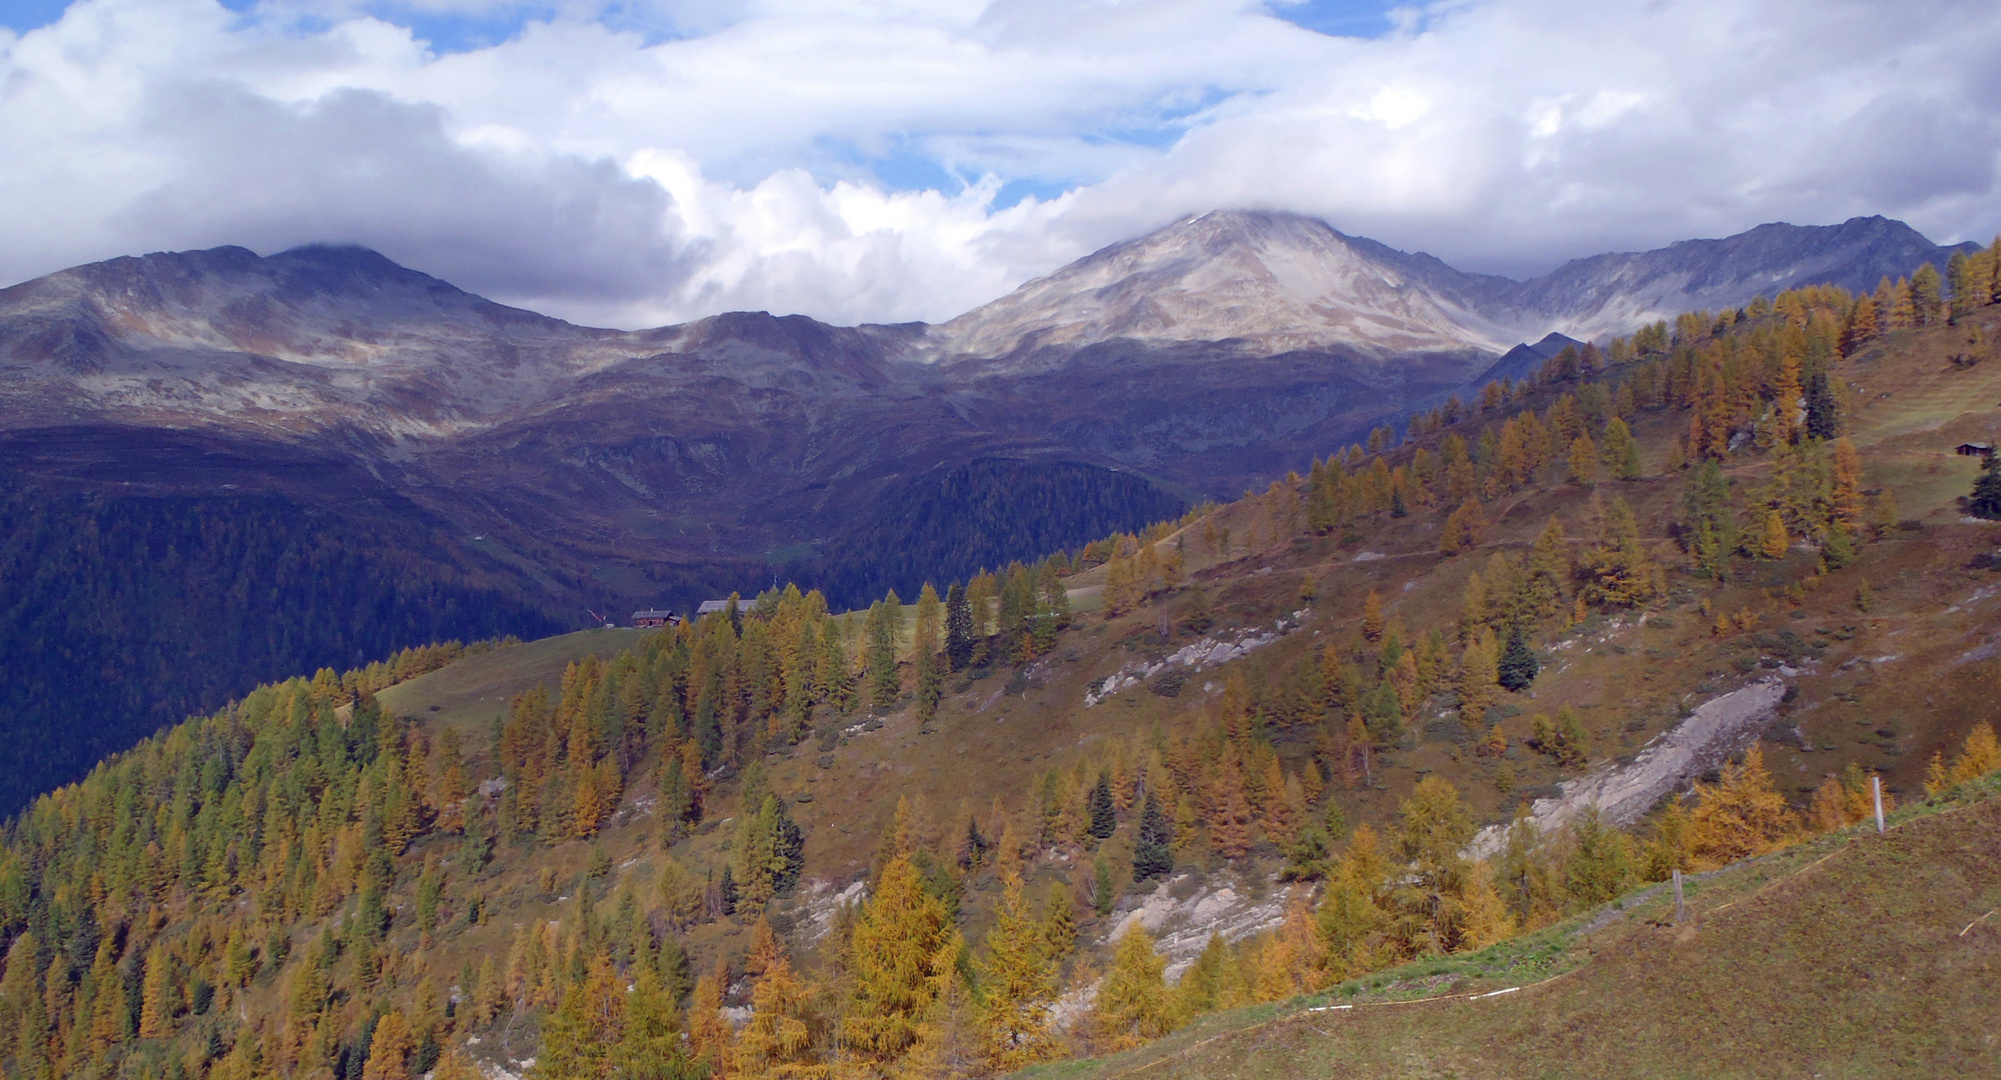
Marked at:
<point>1717,729</point>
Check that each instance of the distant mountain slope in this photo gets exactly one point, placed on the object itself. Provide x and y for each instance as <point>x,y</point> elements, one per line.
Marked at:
<point>1273,282</point>
<point>1270,282</point>
<point>1611,294</point>
<point>539,471</point>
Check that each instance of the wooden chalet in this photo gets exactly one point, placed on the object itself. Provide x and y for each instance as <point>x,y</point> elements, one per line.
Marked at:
<point>654,617</point>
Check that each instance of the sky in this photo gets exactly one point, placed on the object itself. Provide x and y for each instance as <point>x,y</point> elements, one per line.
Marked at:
<point>641,162</point>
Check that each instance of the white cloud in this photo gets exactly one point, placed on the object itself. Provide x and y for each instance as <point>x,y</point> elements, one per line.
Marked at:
<point>848,161</point>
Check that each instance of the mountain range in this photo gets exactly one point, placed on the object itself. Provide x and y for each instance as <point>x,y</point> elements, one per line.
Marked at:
<point>547,470</point>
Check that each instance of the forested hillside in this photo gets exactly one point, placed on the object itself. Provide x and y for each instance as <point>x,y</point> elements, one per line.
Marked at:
<point>122,614</point>
<point>989,513</point>
<point>959,833</point>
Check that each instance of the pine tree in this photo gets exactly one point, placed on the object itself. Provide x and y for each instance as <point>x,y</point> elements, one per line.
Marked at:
<point>1823,408</point>
<point>1018,986</point>
<point>1372,616</point>
<point>1153,849</point>
<point>1132,1004</point>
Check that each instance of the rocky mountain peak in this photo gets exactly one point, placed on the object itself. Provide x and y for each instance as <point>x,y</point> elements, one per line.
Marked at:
<point>1271,282</point>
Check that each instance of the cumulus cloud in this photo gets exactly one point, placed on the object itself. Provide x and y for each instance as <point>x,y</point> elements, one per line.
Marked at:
<point>864,162</point>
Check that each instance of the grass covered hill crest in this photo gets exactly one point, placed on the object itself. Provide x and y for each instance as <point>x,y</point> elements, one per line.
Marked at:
<point>1160,784</point>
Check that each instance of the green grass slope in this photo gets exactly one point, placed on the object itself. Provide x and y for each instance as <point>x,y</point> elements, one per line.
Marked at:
<point>1856,955</point>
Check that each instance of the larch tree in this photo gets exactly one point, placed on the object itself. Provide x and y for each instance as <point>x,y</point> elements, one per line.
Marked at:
<point>1619,570</point>
<point>1478,675</point>
<point>1018,986</point>
<point>1774,541</point>
<point>1846,497</point>
<point>885,624</point>
<point>1133,1004</point>
<point>1583,462</point>
<point>1230,812</point>
<point>1622,450</point>
<point>389,1049</point>
<point>1463,529</point>
<point>930,674</point>
<point>1742,815</point>
<point>1433,831</point>
<point>894,950</point>
<point>778,1041</point>
<point>709,1034</point>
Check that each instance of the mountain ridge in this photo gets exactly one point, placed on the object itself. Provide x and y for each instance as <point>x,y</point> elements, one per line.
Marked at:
<point>564,470</point>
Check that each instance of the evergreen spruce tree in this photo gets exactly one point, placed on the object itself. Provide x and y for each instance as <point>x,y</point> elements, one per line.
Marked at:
<point>1518,666</point>
<point>1104,813</point>
<point>1823,409</point>
<point>1153,849</point>
<point>885,621</point>
<point>958,628</point>
<point>1986,498</point>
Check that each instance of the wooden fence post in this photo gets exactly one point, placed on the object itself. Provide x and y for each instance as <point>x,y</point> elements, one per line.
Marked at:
<point>1680,909</point>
